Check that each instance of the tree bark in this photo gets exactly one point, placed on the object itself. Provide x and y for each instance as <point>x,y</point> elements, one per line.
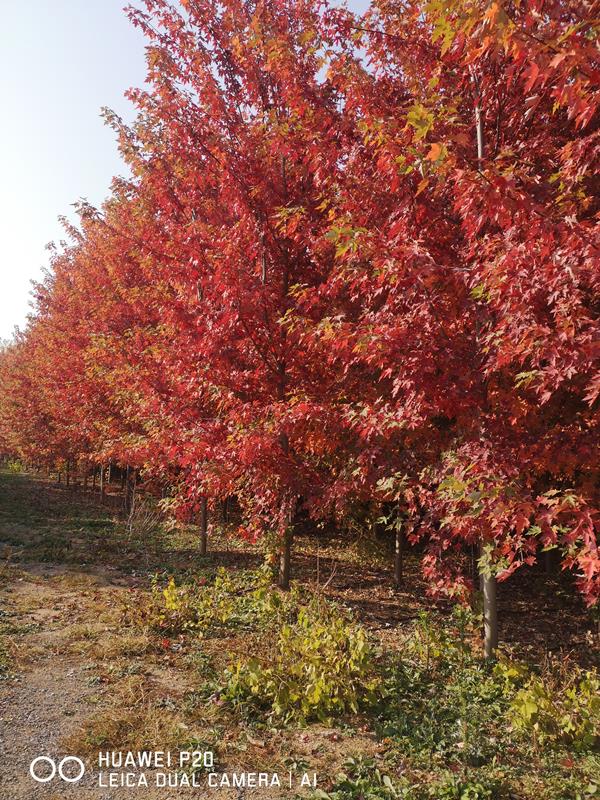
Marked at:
<point>488,584</point>
<point>203,526</point>
<point>399,558</point>
<point>130,480</point>
<point>399,554</point>
<point>490,617</point>
<point>488,589</point>
<point>285,558</point>
<point>285,554</point>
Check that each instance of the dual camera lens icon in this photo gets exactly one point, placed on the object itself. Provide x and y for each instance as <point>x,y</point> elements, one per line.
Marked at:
<point>43,769</point>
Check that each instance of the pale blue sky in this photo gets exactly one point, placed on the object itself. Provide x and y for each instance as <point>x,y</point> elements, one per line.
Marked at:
<point>61,61</point>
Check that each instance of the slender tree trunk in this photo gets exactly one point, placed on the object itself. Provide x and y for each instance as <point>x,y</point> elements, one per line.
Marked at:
<point>203,526</point>
<point>130,480</point>
<point>373,512</point>
<point>474,567</point>
<point>285,559</point>
<point>488,584</point>
<point>399,554</point>
<point>285,553</point>
<point>490,617</point>
<point>68,473</point>
<point>102,487</point>
<point>94,470</point>
<point>488,588</point>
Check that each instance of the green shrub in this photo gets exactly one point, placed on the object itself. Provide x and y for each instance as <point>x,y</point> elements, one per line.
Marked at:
<point>216,603</point>
<point>438,701</point>
<point>170,610</point>
<point>322,667</point>
<point>180,609</point>
<point>557,710</point>
<point>247,600</point>
<point>361,780</point>
<point>323,664</point>
<point>201,605</point>
<point>455,788</point>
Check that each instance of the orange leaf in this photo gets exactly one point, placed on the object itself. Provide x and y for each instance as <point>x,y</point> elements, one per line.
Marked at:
<point>435,152</point>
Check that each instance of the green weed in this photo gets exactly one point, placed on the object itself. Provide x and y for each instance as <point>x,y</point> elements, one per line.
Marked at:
<point>323,667</point>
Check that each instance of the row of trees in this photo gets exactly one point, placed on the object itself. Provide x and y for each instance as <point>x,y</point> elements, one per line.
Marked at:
<point>357,259</point>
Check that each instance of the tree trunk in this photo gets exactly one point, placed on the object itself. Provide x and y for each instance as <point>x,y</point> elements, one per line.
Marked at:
<point>203,526</point>
<point>102,489</point>
<point>474,566</point>
<point>285,558</point>
<point>488,584</point>
<point>94,479</point>
<point>68,473</point>
<point>487,587</point>
<point>373,512</point>
<point>399,555</point>
<point>130,476</point>
<point>490,617</point>
<point>285,554</point>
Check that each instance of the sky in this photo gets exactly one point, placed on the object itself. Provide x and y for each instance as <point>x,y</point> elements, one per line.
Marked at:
<point>61,62</point>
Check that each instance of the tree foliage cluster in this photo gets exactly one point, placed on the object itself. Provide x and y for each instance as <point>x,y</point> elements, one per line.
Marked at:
<point>357,258</point>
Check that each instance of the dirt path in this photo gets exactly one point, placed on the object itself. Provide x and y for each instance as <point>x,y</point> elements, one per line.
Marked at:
<point>79,679</point>
<point>43,702</point>
<point>52,691</point>
<point>35,714</point>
